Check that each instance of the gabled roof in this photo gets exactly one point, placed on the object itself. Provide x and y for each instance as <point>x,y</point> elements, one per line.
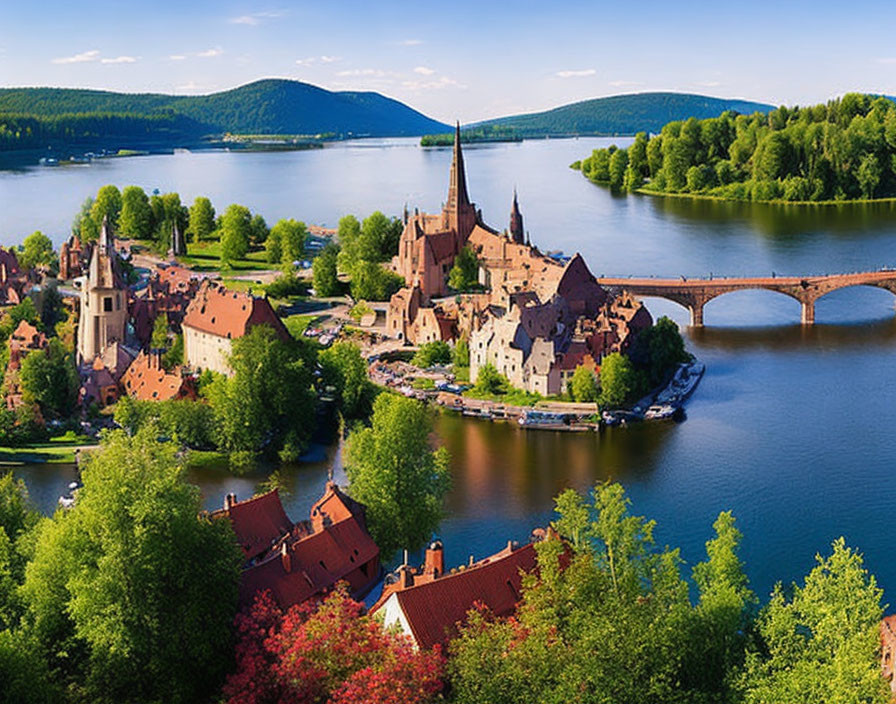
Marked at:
<point>258,522</point>
<point>433,609</point>
<point>219,311</point>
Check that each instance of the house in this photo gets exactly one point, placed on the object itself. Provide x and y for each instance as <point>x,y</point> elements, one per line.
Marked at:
<point>98,385</point>
<point>147,380</point>
<point>74,257</point>
<point>302,561</point>
<point>427,604</point>
<point>215,317</point>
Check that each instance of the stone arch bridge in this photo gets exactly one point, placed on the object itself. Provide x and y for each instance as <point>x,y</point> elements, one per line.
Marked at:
<point>694,294</point>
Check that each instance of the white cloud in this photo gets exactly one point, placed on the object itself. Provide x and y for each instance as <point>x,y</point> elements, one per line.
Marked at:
<point>623,84</point>
<point>311,60</point>
<point>577,73</point>
<point>443,82</point>
<point>410,42</point>
<point>120,60</point>
<point>424,71</point>
<point>211,53</point>
<point>83,57</point>
<point>255,18</point>
<point>177,57</point>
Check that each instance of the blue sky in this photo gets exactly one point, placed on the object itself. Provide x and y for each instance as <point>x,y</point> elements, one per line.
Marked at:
<point>464,60</point>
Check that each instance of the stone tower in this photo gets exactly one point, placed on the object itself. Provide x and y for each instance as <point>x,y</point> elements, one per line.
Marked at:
<point>516,222</point>
<point>104,304</point>
<point>459,213</point>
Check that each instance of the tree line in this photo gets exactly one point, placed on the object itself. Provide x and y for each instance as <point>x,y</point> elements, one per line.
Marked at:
<point>842,150</point>
<point>27,131</point>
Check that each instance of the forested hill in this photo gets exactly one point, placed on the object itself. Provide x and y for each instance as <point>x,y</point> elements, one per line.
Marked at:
<point>271,106</point>
<point>622,114</point>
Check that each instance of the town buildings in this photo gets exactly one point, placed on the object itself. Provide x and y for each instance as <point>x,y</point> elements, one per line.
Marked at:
<point>302,561</point>
<point>537,319</point>
<point>888,650</point>
<point>215,317</point>
<point>428,603</point>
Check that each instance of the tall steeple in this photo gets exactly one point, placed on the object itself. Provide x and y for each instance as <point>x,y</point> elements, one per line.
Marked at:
<point>106,239</point>
<point>457,186</point>
<point>516,222</point>
<point>459,213</point>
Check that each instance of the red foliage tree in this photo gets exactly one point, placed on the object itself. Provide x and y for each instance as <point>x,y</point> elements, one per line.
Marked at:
<point>327,653</point>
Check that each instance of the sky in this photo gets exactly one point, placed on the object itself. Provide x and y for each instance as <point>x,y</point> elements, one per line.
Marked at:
<point>458,60</point>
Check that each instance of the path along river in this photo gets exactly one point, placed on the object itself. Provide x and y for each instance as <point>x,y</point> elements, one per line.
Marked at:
<point>793,429</point>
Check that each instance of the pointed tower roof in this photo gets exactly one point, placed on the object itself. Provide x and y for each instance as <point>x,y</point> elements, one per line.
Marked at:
<point>107,239</point>
<point>457,186</point>
<point>516,221</point>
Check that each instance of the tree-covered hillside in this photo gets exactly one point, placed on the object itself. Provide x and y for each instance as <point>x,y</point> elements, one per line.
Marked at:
<point>843,150</point>
<point>263,107</point>
<point>622,114</point>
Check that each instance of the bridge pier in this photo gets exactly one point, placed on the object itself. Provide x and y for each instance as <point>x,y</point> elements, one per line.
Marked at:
<point>696,315</point>
<point>807,316</point>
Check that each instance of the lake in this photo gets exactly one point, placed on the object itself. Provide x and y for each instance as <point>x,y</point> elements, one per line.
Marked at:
<point>791,428</point>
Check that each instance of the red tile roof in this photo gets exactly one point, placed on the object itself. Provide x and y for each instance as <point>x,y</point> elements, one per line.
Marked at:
<point>433,609</point>
<point>258,522</point>
<point>225,313</point>
<point>146,380</point>
<point>298,562</point>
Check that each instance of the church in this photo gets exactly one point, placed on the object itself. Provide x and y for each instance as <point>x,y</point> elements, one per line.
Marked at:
<point>538,318</point>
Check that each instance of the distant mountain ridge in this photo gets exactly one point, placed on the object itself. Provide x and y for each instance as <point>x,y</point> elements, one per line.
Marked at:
<point>621,114</point>
<point>268,106</point>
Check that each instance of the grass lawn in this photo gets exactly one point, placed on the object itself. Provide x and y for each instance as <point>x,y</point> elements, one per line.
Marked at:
<point>297,324</point>
<point>206,256</point>
<point>57,450</point>
<point>514,397</point>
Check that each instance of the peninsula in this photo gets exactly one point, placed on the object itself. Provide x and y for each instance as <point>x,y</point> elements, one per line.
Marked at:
<point>839,151</point>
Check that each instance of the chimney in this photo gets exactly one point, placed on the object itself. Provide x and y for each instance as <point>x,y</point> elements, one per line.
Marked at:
<point>405,577</point>
<point>434,562</point>
<point>229,501</point>
<point>284,557</point>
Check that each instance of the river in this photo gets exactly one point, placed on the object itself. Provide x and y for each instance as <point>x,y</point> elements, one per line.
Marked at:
<point>791,428</point>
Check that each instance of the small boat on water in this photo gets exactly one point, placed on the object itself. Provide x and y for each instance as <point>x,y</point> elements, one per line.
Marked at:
<point>660,412</point>
<point>68,500</point>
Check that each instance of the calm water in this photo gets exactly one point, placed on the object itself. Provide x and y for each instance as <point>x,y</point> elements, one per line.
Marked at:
<point>791,429</point>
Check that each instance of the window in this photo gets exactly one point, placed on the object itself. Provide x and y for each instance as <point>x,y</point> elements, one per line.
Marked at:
<point>107,304</point>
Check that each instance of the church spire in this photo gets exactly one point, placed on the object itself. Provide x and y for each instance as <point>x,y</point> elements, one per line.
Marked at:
<point>516,221</point>
<point>457,187</point>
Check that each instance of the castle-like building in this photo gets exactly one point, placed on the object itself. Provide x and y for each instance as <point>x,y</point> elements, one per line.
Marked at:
<point>104,300</point>
<point>539,318</point>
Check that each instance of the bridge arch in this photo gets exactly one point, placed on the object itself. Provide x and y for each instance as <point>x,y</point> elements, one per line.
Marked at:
<point>807,306</point>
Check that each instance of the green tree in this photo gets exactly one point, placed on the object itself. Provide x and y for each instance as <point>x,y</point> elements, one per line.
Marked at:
<point>24,676</point>
<point>258,230</point>
<point>159,340</point>
<point>51,379</point>
<point>344,368</point>
<point>235,233</point>
<point>173,214</point>
<point>37,250</point>
<point>133,592</point>
<point>432,353</point>
<point>267,405</point>
<point>823,643</point>
<point>202,219</point>
<point>371,282</point>
<point>618,380</point>
<point>658,350</point>
<point>489,381</point>
<point>286,242</point>
<point>325,278</point>
<point>83,224</point>
<point>135,219</point>
<point>394,473</point>
<point>868,175</point>
<point>107,204</point>
<point>461,354</point>
<point>583,385</point>
<point>618,165</point>
<point>465,272</point>
<point>723,617</point>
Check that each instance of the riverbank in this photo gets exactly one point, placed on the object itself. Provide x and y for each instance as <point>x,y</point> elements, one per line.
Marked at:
<point>43,453</point>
